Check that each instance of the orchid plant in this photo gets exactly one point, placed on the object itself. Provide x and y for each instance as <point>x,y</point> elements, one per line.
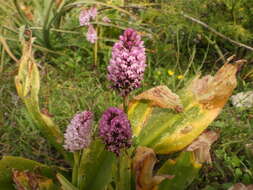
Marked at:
<point>121,152</point>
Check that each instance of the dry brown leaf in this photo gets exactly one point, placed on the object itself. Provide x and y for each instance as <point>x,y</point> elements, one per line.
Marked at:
<point>25,179</point>
<point>143,165</point>
<point>240,186</point>
<point>202,145</point>
<point>28,11</point>
<point>58,3</point>
<point>163,97</point>
<point>29,180</point>
<point>213,91</point>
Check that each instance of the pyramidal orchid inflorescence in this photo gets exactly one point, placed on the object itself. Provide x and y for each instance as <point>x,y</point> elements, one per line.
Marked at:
<point>78,132</point>
<point>115,130</point>
<point>127,65</point>
<point>86,15</point>
<point>91,35</point>
<point>93,12</point>
<point>84,18</point>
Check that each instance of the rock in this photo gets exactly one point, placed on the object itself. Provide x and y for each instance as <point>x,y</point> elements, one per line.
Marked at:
<point>243,99</point>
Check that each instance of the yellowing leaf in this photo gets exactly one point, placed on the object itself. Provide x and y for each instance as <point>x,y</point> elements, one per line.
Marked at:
<point>32,181</point>
<point>189,114</point>
<point>28,86</point>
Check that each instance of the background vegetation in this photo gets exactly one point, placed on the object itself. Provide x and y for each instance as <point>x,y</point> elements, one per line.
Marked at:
<point>177,48</point>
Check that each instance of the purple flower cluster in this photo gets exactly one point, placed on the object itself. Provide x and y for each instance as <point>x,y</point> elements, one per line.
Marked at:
<point>115,130</point>
<point>84,18</point>
<point>78,132</point>
<point>127,64</point>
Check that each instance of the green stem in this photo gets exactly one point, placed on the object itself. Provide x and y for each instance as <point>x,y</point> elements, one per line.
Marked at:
<point>96,52</point>
<point>118,174</point>
<point>2,59</point>
<point>79,170</point>
<point>96,47</point>
<point>75,168</point>
<point>125,103</point>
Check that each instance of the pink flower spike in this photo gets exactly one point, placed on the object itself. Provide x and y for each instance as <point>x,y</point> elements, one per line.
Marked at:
<point>78,132</point>
<point>127,65</point>
<point>91,35</point>
<point>84,17</point>
<point>93,12</point>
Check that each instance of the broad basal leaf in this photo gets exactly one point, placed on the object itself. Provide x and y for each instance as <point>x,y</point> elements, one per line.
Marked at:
<point>96,166</point>
<point>168,123</point>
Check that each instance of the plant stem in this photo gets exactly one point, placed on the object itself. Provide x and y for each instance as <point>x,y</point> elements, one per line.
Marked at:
<point>96,52</point>
<point>75,168</point>
<point>82,156</point>
<point>96,48</point>
<point>118,174</point>
<point>7,49</point>
<point>125,103</point>
<point>2,61</point>
<point>217,33</point>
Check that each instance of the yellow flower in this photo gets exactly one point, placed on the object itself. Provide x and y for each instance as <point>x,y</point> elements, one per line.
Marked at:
<point>170,72</point>
<point>180,77</point>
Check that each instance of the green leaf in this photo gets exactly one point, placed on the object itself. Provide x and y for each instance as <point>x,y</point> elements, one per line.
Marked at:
<point>96,167</point>
<point>66,185</point>
<point>184,169</point>
<point>8,163</point>
<point>124,182</point>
